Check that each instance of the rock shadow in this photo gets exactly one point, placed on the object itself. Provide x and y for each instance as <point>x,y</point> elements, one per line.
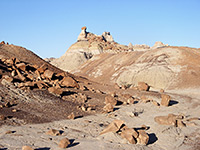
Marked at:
<point>172,102</point>
<point>44,148</point>
<point>119,103</point>
<point>152,138</point>
<point>72,143</point>
<point>3,148</point>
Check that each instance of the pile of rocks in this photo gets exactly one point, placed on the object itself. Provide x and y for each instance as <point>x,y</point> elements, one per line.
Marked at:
<point>27,76</point>
<point>130,134</point>
<point>104,41</point>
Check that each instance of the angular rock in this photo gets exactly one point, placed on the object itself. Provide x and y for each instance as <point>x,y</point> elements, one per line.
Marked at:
<point>129,134</point>
<point>69,82</point>
<point>21,66</point>
<point>27,148</point>
<point>54,90</point>
<point>108,108</point>
<point>53,132</point>
<point>165,100</point>
<point>110,99</point>
<point>113,126</point>
<point>167,120</point>
<point>30,76</point>
<point>48,74</point>
<point>64,143</point>
<point>142,86</point>
<point>22,78</point>
<point>143,137</point>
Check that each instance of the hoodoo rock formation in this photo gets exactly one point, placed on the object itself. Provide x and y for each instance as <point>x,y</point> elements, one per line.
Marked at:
<point>87,45</point>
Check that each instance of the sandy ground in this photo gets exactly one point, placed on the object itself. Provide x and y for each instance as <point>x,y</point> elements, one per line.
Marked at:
<point>84,132</point>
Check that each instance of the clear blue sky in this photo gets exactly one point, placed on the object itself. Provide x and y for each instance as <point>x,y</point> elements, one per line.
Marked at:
<point>49,27</point>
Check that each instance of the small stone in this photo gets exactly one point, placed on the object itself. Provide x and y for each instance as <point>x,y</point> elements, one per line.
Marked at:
<point>2,117</point>
<point>179,123</point>
<point>14,110</point>
<point>53,132</point>
<point>71,116</point>
<point>9,132</point>
<point>27,148</point>
<point>7,104</point>
<point>165,100</point>
<point>162,91</point>
<point>64,143</point>
<point>155,103</point>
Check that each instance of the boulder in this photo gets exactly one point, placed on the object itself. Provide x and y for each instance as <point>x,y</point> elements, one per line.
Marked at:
<point>165,100</point>
<point>143,137</point>
<point>110,99</point>
<point>113,126</point>
<point>21,66</point>
<point>108,108</point>
<point>142,86</point>
<point>53,132</point>
<point>64,143</point>
<point>48,74</point>
<point>69,82</point>
<point>171,119</point>
<point>56,91</point>
<point>129,134</point>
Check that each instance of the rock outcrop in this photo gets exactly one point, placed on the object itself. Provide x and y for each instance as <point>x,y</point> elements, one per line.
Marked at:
<point>87,46</point>
<point>159,44</point>
<point>107,37</point>
<point>83,35</point>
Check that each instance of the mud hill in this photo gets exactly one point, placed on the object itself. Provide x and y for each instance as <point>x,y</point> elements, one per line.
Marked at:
<point>161,66</point>
<point>167,68</point>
